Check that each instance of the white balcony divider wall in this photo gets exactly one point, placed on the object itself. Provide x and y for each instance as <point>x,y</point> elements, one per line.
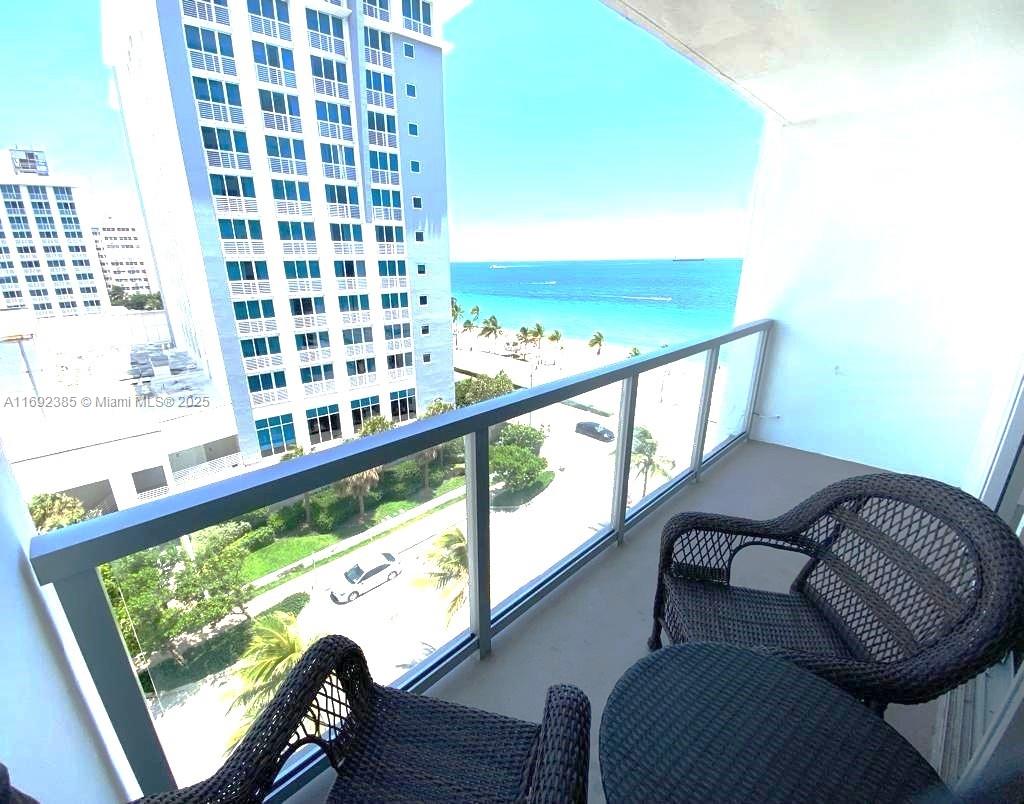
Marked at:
<point>69,558</point>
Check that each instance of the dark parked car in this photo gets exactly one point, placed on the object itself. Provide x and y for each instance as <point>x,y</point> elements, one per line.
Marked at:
<point>358,580</point>
<point>595,430</point>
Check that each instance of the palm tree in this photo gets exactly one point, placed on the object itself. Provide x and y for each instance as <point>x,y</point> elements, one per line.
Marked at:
<point>359,485</point>
<point>634,352</point>
<point>645,458</point>
<point>468,326</point>
<point>456,310</point>
<point>597,340</point>
<point>450,558</point>
<point>275,647</point>
<point>537,334</point>
<point>475,312</point>
<point>555,336</point>
<point>490,328</point>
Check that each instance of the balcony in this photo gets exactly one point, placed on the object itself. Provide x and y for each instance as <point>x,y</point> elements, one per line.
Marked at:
<point>381,58</point>
<point>228,159</point>
<point>343,210</point>
<point>257,326</point>
<point>353,350</point>
<point>322,355</point>
<point>319,387</point>
<point>203,471</point>
<point>335,131</point>
<point>375,11</point>
<point>288,166</point>
<point>212,62</point>
<point>299,247</point>
<point>305,285</point>
<point>333,171</point>
<point>387,213</point>
<point>350,249</point>
<point>327,43</point>
<point>403,373</point>
<point>327,86</point>
<point>384,139</point>
<point>309,321</point>
<point>275,75</point>
<point>261,362</point>
<point>285,207</point>
<point>265,26</point>
<point>352,283</point>
<point>356,317</point>
<point>282,122</point>
<point>399,314</point>
<point>230,205</point>
<point>397,249</point>
<point>247,288</point>
<point>236,248</point>
<point>262,398</point>
<point>362,380</point>
<point>386,100</point>
<point>394,282</point>
<point>378,176</point>
<point>206,11</point>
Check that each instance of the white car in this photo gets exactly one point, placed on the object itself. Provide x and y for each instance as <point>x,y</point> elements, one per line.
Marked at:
<point>359,579</point>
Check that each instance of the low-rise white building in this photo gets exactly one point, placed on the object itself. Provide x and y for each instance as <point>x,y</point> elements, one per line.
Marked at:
<point>124,257</point>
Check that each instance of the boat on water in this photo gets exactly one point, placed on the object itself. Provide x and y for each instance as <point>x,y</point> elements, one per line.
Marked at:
<point>688,259</point>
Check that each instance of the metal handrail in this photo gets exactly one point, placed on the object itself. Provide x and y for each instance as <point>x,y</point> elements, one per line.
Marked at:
<point>69,558</point>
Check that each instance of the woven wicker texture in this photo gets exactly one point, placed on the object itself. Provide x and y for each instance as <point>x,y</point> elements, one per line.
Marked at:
<point>389,745</point>
<point>912,586</point>
<point>703,722</point>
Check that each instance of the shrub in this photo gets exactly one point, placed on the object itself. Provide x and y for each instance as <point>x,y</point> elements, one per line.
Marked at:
<point>257,538</point>
<point>329,509</point>
<point>437,477</point>
<point>401,481</point>
<point>516,467</point>
<point>286,519</point>
<point>257,518</point>
<point>522,435</point>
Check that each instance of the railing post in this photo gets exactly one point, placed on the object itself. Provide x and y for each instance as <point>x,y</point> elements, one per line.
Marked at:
<point>624,454</point>
<point>478,511</point>
<point>755,380</point>
<point>92,622</point>
<point>710,368</point>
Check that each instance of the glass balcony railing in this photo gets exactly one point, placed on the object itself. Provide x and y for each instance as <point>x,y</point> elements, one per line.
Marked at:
<point>420,543</point>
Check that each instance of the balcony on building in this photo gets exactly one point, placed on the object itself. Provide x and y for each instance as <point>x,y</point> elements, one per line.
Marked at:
<point>876,330</point>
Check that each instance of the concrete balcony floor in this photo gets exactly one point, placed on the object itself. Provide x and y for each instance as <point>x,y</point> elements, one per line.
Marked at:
<point>590,630</point>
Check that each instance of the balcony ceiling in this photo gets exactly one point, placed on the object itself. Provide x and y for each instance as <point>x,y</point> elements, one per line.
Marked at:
<point>805,59</point>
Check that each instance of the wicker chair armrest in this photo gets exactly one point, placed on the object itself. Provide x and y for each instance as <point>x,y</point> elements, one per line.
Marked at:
<point>701,546</point>
<point>560,759</point>
<point>323,701</point>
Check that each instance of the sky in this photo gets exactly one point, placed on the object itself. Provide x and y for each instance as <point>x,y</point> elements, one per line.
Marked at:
<point>571,133</point>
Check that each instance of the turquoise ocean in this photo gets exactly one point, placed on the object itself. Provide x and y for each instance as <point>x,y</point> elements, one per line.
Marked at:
<point>642,303</point>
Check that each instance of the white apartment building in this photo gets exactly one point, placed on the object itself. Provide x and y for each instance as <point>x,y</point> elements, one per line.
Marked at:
<point>47,264</point>
<point>290,159</point>
<point>124,257</point>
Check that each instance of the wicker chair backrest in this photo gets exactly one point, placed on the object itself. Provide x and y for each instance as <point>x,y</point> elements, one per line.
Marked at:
<point>904,563</point>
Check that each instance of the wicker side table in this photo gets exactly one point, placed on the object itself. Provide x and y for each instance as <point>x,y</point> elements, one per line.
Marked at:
<point>707,722</point>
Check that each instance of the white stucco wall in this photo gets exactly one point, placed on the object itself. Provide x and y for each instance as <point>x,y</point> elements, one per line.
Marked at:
<point>49,740</point>
<point>887,247</point>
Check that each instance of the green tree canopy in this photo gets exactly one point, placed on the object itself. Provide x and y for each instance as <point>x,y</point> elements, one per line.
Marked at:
<point>376,424</point>
<point>516,467</point>
<point>477,389</point>
<point>522,435</point>
<point>53,511</point>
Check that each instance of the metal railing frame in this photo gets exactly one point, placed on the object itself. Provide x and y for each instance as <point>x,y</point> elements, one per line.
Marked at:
<point>70,558</point>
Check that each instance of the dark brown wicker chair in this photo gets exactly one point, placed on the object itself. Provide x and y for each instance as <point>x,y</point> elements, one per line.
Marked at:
<point>912,586</point>
<point>389,745</point>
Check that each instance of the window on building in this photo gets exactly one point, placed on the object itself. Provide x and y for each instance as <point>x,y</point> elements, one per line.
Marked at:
<point>213,91</point>
<point>266,382</point>
<point>290,190</point>
<point>410,90</point>
<point>425,329</point>
<point>357,335</point>
<point>347,232</point>
<point>207,41</point>
<point>271,9</point>
<point>417,202</point>
<point>403,405</point>
<point>275,435</point>
<point>247,270</point>
<point>426,357</point>
<point>319,373</point>
<point>273,56</point>
<point>414,166</point>
<point>364,365</point>
<point>342,194</point>
<point>349,269</point>
<point>302,269</point>
<point>419,237</point>
<point>328,69</point>
<point>296,230</point>
<point>391,199</point>
<point>232,186</point>
<point>335,113</point>
<point>393,332</point>
<point>257,308</point>
<point>285,148</point>
<point>259,347</point>
<point>394,301</point>
<point>391,267</point>
<point>279,103</point>
<point>377,40</point>
<point>238,229</point>
<point>223,139</point>
<point>379,160</point>
<point>389,234</point>
<point>409,50</point>
<point>354,303</point>
<point>324,424</point>
<point>384,123</point>
<point>307,305</point>
<point>327,24</point>
<point>400,360</point>
<point>421,269</point>
<point>363,409</point>
<point>414,129</point>
<point>423,301</point>
<point>304,341</point>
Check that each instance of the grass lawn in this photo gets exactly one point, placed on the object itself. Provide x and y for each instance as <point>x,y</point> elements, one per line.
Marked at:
<point>282,552</point>
<point>217,653</point>
<point>450,484</point>
<point>513,499</point>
